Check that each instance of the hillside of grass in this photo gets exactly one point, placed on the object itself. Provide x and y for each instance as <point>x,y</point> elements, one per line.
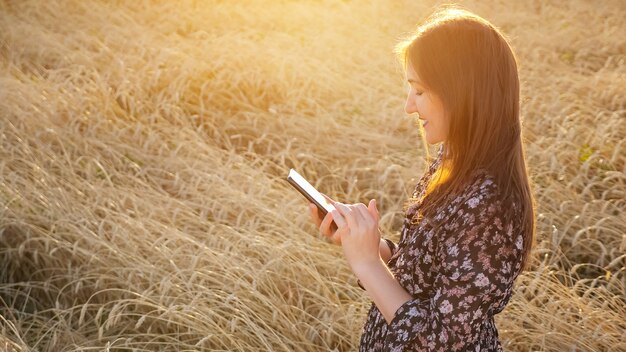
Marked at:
<point>145,145</point>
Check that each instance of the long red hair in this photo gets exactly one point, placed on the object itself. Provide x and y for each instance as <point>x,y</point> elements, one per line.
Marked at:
<point>469,64</point>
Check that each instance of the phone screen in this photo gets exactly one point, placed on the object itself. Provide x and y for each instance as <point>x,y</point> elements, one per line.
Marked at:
<point>307,190</point>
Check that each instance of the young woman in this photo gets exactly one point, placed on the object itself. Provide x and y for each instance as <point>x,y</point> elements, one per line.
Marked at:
<point>469,225</point>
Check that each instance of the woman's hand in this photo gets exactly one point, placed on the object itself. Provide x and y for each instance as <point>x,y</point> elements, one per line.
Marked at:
<point>359,232</point>
<point>327,226</point>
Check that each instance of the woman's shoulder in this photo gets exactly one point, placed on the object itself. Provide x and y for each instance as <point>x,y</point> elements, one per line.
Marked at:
<point>480,185</point>
<point>481,207</point>
<point>482,194</point>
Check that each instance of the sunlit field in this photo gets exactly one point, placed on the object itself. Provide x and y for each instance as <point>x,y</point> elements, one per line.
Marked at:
<point>145,145</point>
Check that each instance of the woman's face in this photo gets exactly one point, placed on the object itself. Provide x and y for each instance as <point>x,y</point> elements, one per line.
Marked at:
<point>429,108</point>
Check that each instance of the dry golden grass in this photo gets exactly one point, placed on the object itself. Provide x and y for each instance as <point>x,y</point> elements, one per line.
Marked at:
<point>145,145</point>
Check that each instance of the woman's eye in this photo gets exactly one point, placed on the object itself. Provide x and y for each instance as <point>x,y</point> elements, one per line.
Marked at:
<point>418,93</point>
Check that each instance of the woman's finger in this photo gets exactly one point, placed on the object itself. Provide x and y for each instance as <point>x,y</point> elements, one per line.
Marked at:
<point>325,226</point>
<point>368,219</point>
<point>364,221</point>
<point>348,215</point>
<point>314,214</point>
<point>332,201</point>
<point>338,217</point>
<point>355,215</point>
<point>335,238</point>
<point>373,209</point>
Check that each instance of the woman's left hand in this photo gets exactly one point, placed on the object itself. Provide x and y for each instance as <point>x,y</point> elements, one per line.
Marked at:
<point>360,235</point>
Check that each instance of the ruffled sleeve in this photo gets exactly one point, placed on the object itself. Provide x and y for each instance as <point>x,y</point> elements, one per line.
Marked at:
<point>478,258</point>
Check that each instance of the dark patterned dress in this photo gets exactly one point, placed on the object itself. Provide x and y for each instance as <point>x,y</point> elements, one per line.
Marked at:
<point>460,275</point>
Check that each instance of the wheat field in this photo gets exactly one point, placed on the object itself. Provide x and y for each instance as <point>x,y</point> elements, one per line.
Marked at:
<point>145,146</point>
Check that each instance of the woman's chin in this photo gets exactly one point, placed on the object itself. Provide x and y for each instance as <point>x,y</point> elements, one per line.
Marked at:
<point>428,137</point>
<point>432,141</point>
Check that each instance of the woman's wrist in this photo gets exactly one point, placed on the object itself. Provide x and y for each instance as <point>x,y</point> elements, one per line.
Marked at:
<point>386,248</point>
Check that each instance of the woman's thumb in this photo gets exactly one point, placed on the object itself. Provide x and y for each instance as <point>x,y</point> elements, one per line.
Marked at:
<point>371,207</point>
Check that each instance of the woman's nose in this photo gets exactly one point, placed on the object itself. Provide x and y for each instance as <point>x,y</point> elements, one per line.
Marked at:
<point>410,106</point>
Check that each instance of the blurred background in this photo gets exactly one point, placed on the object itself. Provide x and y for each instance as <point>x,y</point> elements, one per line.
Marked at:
<point>145,145</point>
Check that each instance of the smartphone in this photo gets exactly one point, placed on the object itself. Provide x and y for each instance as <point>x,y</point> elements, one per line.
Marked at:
<point>309,192</point>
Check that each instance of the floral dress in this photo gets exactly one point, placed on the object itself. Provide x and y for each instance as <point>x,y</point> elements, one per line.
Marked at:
<point>459,276</point>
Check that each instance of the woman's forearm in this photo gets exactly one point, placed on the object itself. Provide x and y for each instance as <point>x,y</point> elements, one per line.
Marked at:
<point>382,287</point>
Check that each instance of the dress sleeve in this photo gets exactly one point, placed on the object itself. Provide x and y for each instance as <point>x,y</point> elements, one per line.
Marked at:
<point>476,267</point>
<point>393,248</point>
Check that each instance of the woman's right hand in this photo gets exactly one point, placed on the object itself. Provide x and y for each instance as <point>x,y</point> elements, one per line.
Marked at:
<point>326,226</point>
